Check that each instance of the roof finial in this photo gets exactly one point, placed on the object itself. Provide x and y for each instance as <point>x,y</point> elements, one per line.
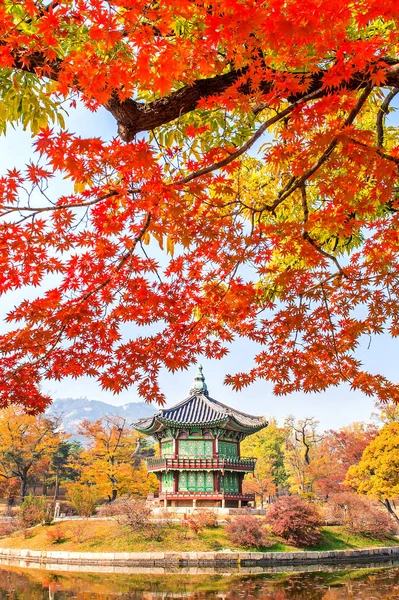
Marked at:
<point>199,385</point>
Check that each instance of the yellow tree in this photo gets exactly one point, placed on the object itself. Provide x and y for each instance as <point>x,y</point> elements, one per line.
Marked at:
<point>110,460</point>
<point>26,442</point>
<point>267,446</point>
<point>377,473</point>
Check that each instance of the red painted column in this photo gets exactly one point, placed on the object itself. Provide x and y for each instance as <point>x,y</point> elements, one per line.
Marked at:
<point>176,480</point>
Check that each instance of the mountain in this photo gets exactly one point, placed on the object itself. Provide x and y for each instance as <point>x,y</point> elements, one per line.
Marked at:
<point>75,410</point>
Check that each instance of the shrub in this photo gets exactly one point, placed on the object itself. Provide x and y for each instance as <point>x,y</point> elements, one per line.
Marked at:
<point>154,532</point>
<point>296,520</point>
<point>6,528</point>
<point>166,517</point>
<point>36,510</point>
<point>133,512</point>
<point>199,519</point>
<point>247,531</point>
<point>207,518</point>
<point>83,498</point>
<point>78,532</point>
<point>358,515</point>
<point>27,532</point>
<point>55,535</point>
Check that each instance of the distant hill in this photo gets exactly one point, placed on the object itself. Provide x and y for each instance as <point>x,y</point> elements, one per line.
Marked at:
<point>75,410</point>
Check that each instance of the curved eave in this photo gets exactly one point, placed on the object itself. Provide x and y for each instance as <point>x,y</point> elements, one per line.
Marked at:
<point>159,423</point>
<point>232,424</point>
<point>151,429</point>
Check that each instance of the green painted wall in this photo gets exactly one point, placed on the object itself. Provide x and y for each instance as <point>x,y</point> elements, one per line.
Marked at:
<point>195,448</point>
<point>196,481</point>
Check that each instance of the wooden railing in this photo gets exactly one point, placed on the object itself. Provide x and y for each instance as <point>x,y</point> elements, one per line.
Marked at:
<point>164,463</point>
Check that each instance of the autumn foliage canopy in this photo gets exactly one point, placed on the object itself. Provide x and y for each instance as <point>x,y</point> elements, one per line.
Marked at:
<point>252,145</point>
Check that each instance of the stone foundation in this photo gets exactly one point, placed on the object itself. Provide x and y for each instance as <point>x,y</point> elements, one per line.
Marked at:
<point>166,561</point>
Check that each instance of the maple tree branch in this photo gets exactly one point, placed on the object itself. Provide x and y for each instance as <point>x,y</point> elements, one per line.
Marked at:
<point>332,328</point>
<point>309,239</point>
<point>259,132</point>
<point>86,296</point>
<point>394,159</point>
<point>299,181</point>
<point>11,209</point>
<point>381,114</point>
<point>134,117</point>
<point>122,261</point>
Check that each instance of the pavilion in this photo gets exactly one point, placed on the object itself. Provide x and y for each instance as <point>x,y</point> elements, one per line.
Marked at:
<point>199,461</point>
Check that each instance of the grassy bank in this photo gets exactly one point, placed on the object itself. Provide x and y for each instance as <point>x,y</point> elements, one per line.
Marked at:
<point>109,536</point>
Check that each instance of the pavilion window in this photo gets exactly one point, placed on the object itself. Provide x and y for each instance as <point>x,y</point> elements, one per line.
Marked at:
<point>167,448</point>
<point>227,449</point>
<point>196,481</point>
<point>209,482</point>
<point>229,482</point>
<point>195,448</point>
<point>167,482</point>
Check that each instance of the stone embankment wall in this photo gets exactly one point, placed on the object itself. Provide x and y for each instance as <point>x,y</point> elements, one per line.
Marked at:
<point>175,560</point>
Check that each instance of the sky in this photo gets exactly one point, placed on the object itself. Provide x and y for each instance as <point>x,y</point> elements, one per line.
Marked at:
<point>334,408</point>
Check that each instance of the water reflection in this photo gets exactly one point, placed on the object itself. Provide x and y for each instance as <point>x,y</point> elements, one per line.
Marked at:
<point>359,584</point>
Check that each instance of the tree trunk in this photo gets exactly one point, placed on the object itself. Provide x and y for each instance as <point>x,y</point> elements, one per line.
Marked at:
<point>9,506</point>
<point>389,508</point>
<point>56,487</point>
<point>24,486</point>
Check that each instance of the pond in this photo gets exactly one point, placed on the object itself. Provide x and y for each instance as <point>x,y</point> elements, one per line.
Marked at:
<point>378,583</point>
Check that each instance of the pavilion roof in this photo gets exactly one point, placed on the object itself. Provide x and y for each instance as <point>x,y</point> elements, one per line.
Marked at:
<point>200,409</point>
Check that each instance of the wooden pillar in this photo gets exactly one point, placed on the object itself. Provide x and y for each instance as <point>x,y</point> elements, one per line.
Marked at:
<point>216,481</point>
<point>176,480</point>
